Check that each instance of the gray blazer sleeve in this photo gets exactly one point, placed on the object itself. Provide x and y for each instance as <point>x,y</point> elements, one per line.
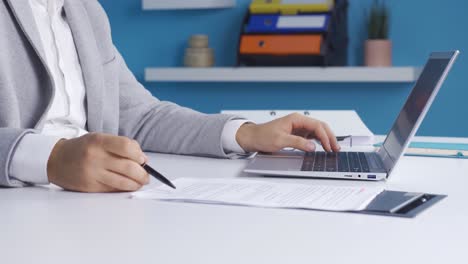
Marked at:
<point>166,127</point>
<point>10,139</point>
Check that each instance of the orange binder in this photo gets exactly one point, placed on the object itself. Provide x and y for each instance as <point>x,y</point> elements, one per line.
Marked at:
<point>281,44</point>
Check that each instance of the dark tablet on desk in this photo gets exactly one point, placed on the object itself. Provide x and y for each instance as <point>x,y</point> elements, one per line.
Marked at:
<point>401,204</point>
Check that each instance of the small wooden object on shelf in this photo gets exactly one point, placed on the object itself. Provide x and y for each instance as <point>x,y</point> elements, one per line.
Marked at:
<point>198,54</point>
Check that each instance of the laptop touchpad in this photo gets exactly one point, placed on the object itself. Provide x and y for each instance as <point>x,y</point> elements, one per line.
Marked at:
<point>276,163</point>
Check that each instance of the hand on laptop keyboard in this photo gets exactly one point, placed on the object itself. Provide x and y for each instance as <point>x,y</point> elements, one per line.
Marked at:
<point>294,130</point>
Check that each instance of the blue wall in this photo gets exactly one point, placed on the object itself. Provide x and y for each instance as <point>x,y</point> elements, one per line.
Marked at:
<point>158,38</point>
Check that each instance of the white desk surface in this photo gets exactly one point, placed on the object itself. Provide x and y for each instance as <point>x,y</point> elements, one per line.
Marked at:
<point>47,225</point>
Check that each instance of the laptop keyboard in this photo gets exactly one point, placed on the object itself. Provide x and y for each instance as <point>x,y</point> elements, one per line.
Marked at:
<point>335,162</point>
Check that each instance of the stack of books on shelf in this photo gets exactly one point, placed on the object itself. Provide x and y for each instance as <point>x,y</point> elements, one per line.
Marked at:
<point>294,33</point>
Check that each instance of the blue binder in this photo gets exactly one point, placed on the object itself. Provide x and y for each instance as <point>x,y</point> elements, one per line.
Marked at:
<point>287,24</point>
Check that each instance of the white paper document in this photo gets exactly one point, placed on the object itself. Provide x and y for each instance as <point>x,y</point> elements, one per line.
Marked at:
<point>264,194</point>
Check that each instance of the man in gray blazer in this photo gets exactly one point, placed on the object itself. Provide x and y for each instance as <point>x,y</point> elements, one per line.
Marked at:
<point>72,113</point>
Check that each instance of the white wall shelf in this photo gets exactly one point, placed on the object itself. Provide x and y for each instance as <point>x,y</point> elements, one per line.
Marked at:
<point>284,74</point>
<point>186,4</point>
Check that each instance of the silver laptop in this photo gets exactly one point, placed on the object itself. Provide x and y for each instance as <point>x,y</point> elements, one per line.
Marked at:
<point>377,165</point>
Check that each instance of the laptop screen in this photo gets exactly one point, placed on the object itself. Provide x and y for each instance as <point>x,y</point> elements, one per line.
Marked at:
<point>417,103</point>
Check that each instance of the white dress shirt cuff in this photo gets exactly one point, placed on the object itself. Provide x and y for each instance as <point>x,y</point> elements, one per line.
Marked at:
<point>29,162</point>
<point>228,136</point>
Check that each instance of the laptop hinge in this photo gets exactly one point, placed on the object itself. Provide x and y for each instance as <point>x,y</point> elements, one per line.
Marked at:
<point>386,159</point>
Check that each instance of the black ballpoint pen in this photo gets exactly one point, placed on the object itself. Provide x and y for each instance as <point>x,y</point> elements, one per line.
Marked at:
<point>157,175</point>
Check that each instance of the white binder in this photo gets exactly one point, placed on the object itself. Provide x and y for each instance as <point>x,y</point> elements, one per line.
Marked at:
<point>344,123</point>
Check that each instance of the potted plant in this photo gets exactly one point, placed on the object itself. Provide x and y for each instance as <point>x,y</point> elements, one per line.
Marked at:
<point>378,47</point>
